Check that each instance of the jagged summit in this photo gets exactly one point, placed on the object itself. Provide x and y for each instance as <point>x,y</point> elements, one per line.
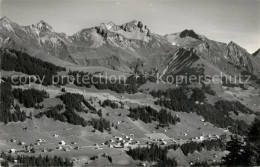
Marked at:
<point>233,45</point>
<point>189,33</point>
<point>120,46</point>
<point>6,19</point>
<point>42,25</point>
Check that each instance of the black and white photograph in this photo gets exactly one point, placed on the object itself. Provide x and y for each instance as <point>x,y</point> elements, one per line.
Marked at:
<point>128,83</point>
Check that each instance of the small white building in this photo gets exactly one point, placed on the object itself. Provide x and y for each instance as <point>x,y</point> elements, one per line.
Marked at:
<point>40,140</point>
<point>12,150</point>
<point>13,140</point>
<point>62,142</point>
<point>164,143</point>
<point>111,140</point>
<point>59,148</point>
<point>119,138</point>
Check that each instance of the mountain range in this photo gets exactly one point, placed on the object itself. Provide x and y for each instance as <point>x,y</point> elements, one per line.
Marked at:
<point>130,47</point>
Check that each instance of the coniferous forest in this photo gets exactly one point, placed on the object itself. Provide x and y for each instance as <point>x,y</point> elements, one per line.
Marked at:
<point>30,97</point>
<point>7,104</point>
<point>34,161</point>
<point>218,114</point>
<point>14,60</point>
<point>147,114</point>
<point>152,153</point>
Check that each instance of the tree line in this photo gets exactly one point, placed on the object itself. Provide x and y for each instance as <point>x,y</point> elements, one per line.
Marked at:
<point>191,147</point>
<point>67,116</point>
<point>14,60</point>
<point>100,124</point>
<point>23,160</point>
<point>152,153</point>
<point>109,103</point>
<point>130,86</point>
<point>30,97</point>
<point>148,114</point>
<point>7,103</point>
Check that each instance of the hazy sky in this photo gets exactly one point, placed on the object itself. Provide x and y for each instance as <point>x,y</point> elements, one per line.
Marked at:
<point>220,20</point>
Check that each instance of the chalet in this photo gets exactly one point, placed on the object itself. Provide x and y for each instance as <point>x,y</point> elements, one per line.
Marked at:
<point>12,151</point>
<point>55,135</point>
<point>59,148</point>
<point>62,142</point>
<point>66,149</point>
<point>21,143</point>
<point>13,140</point>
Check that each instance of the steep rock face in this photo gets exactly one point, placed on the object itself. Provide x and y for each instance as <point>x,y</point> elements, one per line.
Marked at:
<point>257,54</point>
<point>241,58</point>
<point>230,58</point>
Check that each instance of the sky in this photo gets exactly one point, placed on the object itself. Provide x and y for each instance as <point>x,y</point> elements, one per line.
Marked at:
<point>220,20</point>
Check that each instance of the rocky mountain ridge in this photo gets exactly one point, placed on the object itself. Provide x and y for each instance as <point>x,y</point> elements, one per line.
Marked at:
<point>124,47</point>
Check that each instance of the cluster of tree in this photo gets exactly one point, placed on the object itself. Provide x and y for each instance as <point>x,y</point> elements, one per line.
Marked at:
<point>148,114</point>
<point>100,124</point>
<point>68,116</point>
<point>7,103</point>
<point>227,81</point>
<point>103,155</point>
<point>226,106</point>
<point>197,95</point>
<point>72,101</point>
<point>191,147</point>
<point>130,85</point>
<point>86,103</point>
<point>177,100</point>
<point>109,103</point>
<point>258,81</point>
<point>207,89</point>
<point>15,116</point>
<point>152,153</point>
<point>30,97</point>
<point>244,151</point>
<point>14,60</point>
<point>23,160</point>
